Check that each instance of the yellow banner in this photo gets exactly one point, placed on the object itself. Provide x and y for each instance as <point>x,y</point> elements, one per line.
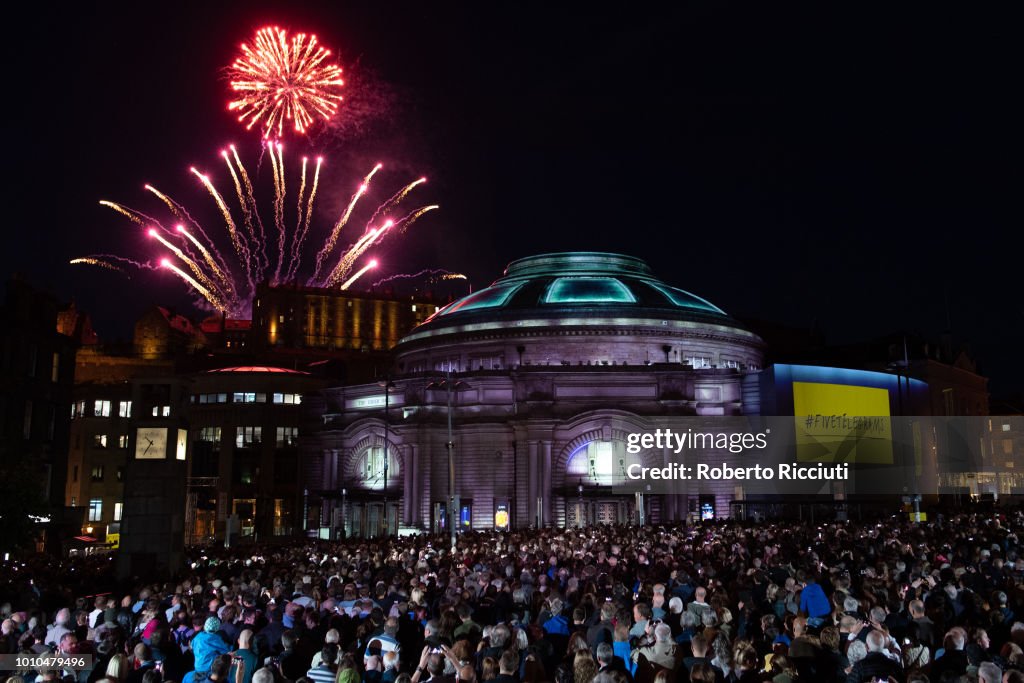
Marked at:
<point>842,423</point>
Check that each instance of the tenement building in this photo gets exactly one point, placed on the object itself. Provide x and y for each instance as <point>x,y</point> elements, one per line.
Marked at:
<point>516,401</point>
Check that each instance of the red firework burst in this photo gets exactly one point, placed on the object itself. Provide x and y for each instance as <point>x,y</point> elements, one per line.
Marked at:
<point>278,79</point>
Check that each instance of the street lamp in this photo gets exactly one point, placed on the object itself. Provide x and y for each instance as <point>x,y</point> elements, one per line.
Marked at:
<point>388,385</point>
<point>450,386</point>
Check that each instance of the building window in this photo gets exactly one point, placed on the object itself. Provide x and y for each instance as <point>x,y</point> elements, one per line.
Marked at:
<point>1007,446</point>
<point>447,365</point>
<point>97,473</point>
<point>122,441</point>
<point>753,366</point>
<point>211,435</point>
<point>95,509</point>
<point>124,409</point>
<point>287,436</point>
<point>161,411</point>
<point>414,308</point>
<point>99,440</point>
<point>73,411</point>
<point>947,402</point>
<point>212,398</point>
<point>118,510</point>
<point>486,362</point>
<point>120,474</point>
<point>697,361</point>
<point>1006,426</point>
<point>55,368</point>
<point>80,409</point>
<point>101,408</point>
<point>288,399</point>
<point>246,437</point>
<point>74,477</point>
<point>249,397</point>
<point>731,364</point>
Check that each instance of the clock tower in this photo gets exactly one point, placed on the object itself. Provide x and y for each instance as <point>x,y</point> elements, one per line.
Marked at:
<point>152,528</point>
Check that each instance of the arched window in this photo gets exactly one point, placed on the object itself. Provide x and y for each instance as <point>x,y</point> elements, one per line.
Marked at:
<point>599,463</point>
<point>371,468</point>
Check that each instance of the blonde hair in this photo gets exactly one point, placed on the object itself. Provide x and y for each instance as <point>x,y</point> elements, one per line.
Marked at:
<point>117,667</point>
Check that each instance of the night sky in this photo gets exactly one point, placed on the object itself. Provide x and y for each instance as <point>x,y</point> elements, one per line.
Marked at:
<point>858,169</point>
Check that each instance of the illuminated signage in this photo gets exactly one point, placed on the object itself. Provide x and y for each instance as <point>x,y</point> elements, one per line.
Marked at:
<point>151,443</point>
<point>842,423</point>
<point>501,518</point>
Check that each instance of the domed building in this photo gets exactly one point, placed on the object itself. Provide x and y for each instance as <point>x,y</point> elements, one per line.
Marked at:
<point>538,378</point>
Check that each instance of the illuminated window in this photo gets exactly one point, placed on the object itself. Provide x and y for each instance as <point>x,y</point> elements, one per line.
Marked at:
<point>120,474</point>
<point>246,437</point>
<point>565,290</point>
<point>80,409</point>
<point>122,441</point>
<point>599,463</point>
<point>684,299</point>
<point>731,364</point>
<point>249,397</point>
<point>486,362</point>
<point>698,360</point>
<point>211,435</point>
<point>97,473</point>
<point>492,297</point>
<point>414,308</point>
<point>124,409</point>
<point>161,411</point>
<point>753,366</point>
<point>447,365</point>
<point>101,409</point>
<point>95,509</point>
<point>99,440</point>
<point>287,436</point>
<point>288,399</point>
<point>118,510</point>
<point>371,468</point>
<point>72,411</point>
<point>1006,426</point>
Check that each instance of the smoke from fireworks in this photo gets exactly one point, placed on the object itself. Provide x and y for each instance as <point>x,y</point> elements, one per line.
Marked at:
<point>280,80</point>
<point>228,283</point>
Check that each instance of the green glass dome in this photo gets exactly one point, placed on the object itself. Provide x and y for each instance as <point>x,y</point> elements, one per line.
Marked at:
<point>576,279</point>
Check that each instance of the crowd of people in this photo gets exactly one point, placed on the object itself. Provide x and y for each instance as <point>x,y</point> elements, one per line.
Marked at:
<point>725,601</point>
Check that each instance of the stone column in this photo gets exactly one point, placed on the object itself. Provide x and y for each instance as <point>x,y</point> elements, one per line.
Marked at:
<point>546,486</point>
<point>532,489</point>
<point>407,486</point>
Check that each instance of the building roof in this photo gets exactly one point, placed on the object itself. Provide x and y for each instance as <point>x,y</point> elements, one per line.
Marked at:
<point>259,369</point>
<point>578,280</point>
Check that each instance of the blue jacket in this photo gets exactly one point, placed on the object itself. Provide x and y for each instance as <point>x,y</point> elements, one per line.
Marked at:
<point>621,649</point>
<point>814,602</point>
<point>557,625</point>
<point>206,647</point>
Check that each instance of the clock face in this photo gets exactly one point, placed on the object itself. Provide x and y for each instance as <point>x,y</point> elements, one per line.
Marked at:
<point>151,443</point>
<point>179,450</point>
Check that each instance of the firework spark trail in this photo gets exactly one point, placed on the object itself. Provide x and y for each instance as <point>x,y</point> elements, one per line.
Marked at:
<point>237,239</point>
<point>99,261</point>
<point>369,239</point>
<point>135,216</point>
<point>277,80</point>
<point>395,199</point>
<point>358,274</point>
<point>332,238</point>
<point>302,231</point>
<point>251,196</point>
<point>203,291</point>
<point>188,261</point>
<point>223,287</point>
<point>431,274</point>
<point>293,261</point>
<point>277,164</point>
<point>254,242</point>
<point>208,257</point>
<point>182,214</point>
